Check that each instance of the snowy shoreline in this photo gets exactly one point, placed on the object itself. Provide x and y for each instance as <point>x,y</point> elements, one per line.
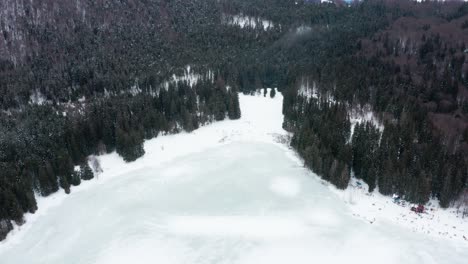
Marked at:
<point>261,121</point>
<point>375,208</point>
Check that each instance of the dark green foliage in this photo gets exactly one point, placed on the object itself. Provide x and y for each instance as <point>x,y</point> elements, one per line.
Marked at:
<point>272,93</point>
<point>129,145</point>
<point>40,146</point>
<point>5,227</point>
<point>64,184</point>
<point>234,111</point>
<point>418,155</point>
<point>85,172</point>
<point>365,146</point>
<point>322,140</point>
<point>464,24</point>
<point>10,206</point>
<point>75,179</point>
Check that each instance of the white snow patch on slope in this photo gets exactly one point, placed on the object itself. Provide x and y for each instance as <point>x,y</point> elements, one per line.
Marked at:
<point>303,30</point>
<point>244,21</point>
<point>190,77</point>
<point>135,89</point>
<point>37,98</point>
<point>307,89</point>
<point>357,115</point>
<point>361,115</point>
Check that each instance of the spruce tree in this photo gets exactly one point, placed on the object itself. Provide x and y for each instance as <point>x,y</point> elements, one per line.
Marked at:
<point>272,92</point>
<point>75,178</point>
<point>86,172</point>
<point>234,111</point>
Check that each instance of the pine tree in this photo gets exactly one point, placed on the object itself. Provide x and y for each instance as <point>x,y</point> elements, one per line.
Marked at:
<point>63,182</point>
<point>10,207</point>
<point>86,172</point>
<point>272,92</point>
<point>75,178</point>
<point>234,111</point>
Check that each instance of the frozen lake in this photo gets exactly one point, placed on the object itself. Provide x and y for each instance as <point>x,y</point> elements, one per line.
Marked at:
<point>241,201</point>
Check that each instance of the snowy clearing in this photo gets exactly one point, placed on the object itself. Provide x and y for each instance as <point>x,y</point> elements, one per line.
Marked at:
<point>230,192</point>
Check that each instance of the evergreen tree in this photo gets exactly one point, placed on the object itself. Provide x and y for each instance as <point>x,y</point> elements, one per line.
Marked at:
<point>234,111</point>
<point>75,178</point>
<point>85,172</point>
<point>272,93</point>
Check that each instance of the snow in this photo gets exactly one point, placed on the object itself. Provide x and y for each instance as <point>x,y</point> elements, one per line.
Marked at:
<point>378,209</point>
<point>307,90</point>
<point>244,21</point>
<point>230,192</point>
<point>259,227</point>
<point>190,77</point>
<point>303,29</point>
<point>37,98</point>
<point>285,186</point>
<point>135,89</point>
<point>359,115</point>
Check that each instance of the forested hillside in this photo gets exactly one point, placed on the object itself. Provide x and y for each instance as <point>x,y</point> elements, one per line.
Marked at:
<point>375,88</point>
<point>410,76</point>
<point>90,77</point>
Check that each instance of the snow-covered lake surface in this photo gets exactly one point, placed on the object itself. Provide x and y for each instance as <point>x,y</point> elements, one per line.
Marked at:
<point>226,193</point>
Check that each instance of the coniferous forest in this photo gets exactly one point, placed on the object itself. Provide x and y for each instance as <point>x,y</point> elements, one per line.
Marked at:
<point>88,77</point>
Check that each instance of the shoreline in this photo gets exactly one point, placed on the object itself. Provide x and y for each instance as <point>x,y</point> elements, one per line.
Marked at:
<point>256,126</point>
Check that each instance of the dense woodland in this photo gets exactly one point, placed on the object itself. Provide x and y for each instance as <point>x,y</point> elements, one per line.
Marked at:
<point>413,74</point>
<point>79,78</point>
